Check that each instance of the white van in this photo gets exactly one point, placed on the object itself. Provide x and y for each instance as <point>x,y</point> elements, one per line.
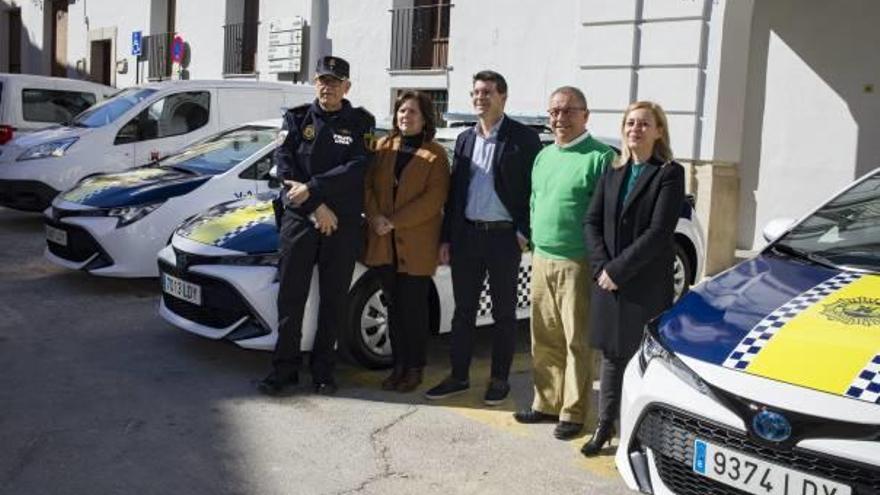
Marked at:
<point>139,125</point>
<point>29,103</point>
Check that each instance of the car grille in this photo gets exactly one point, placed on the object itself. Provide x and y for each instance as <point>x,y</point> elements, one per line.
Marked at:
<point>80,244</point>
<point>221,305</point>
<point>671,433</point>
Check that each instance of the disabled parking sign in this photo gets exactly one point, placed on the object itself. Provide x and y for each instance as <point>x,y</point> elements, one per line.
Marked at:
<point>136,45</point>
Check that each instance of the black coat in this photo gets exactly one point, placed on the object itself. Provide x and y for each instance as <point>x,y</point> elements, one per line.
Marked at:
<point>512,164</point>
<point>636,247</point>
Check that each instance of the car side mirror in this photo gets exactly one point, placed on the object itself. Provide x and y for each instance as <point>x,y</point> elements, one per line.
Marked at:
<point>774,229</point>
<point>274,181</point>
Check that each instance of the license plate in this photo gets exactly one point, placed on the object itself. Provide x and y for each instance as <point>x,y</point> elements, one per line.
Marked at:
<point>56,235</point>
<point>757,476</point>
<point>182,289</point>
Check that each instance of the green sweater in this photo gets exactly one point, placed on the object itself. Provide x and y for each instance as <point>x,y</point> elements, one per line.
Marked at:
<point>563,180</point>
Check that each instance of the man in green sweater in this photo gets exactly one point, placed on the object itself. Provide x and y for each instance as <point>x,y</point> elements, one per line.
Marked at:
<point>563,179</point>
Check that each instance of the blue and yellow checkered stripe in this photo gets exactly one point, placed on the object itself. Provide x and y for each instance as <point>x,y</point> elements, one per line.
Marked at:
<point>758,337</point>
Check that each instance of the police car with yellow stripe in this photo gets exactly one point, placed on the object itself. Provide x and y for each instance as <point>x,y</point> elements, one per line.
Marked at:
<point>219,281</point>
<point>114,224</point>
<point>766,378</point>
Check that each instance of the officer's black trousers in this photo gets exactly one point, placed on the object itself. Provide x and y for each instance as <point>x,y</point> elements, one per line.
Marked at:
<point>303,247</point>
<point>479,252</point>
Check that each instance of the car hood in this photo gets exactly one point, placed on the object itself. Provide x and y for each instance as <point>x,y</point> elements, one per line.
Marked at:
<point>246,226</point>
<point>787,320</point>
<point>49,134</point>
<point>133,187</point>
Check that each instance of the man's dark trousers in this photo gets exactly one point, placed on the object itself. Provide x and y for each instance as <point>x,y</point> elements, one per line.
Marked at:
<point>302,247</point>
<point>475,253</point>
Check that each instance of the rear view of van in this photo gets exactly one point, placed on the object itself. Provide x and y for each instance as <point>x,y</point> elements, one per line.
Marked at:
<point>136,126</point>
<point>29,103</point>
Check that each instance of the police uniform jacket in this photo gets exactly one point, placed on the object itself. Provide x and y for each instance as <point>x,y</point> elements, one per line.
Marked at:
<point>635,244</point>
<point>415,210</point>
<point>326,151</point>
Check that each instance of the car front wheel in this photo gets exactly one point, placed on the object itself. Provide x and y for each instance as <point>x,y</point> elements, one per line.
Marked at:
<point>682,272</point>
<point>366,338</point>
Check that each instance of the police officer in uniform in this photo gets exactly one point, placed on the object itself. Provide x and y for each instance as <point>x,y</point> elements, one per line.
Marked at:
<point>321,164</point>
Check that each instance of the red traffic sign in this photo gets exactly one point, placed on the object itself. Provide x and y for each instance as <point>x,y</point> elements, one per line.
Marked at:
<point>177,49</point>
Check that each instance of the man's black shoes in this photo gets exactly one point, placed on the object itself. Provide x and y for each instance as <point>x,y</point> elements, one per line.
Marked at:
<point>566,430</point>
<point>276,382</point>
<point>447,388</point>
<point>325,388</point>
<point>497,392</point>
<point>531,416</point>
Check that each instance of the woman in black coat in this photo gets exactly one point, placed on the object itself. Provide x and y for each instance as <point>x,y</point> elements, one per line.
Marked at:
<point>630,230</point>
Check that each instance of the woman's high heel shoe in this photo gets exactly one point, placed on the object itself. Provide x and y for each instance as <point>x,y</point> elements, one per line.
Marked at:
<point>603,434</point>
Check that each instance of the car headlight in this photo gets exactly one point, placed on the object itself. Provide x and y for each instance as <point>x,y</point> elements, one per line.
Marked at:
<point>268,259</point>
<point>45,150</point>
<point>651,349</point>
<point>130,214</point>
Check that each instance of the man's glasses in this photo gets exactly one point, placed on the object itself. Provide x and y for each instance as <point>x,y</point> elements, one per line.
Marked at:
<point>565,111</point>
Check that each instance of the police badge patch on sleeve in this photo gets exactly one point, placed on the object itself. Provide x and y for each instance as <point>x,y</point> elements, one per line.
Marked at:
<point>370,140</point>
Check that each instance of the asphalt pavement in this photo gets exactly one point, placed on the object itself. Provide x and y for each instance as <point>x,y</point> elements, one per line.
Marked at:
<point>98,395</point>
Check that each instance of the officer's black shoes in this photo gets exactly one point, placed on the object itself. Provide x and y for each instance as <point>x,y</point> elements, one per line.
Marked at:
<point>603,434</point>
<point>325,388</point>
<point>566,430</point>
<point>497,392</point>
<point>530,416</point>
<point>447,388</point>
<point>276,382</point>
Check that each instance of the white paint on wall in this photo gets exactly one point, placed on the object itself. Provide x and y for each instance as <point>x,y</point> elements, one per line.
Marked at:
<point>804,147</point>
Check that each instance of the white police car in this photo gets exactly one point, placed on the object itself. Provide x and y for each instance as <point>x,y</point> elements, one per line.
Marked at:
<point>114,224</point>
<point>766,378</point>
<point>219,281</point>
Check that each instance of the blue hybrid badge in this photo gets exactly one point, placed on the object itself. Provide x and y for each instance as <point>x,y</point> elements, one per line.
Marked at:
<point>771,426</point>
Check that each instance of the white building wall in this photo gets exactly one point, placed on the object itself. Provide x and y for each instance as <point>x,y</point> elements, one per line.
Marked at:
<point>34,59</point>
<point>536,53</point>
<point>201,27</point>
<point>104,19</point>
<point>813,107</point>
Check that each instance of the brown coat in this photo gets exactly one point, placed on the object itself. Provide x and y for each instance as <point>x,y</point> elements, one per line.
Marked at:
<point>416,211</point>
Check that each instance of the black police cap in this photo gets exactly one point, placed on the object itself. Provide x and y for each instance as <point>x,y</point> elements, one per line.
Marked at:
<point>332,66</point>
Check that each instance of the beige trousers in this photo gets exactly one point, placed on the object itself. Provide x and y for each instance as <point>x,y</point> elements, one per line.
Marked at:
<point>560,352</point>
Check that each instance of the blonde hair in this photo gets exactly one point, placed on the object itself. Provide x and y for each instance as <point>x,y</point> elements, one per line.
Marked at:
<point>662,150</point>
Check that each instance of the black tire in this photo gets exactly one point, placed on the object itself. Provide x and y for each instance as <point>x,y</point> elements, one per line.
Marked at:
<point>682,272</point>
<point>367,345</point>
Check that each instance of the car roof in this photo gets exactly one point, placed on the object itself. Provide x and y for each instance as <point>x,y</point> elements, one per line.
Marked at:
<point>263,123</point>
<point>34,78</point>
<point>212,83</point>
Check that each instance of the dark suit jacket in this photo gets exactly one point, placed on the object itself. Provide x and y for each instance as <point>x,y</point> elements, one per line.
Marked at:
<point>512,167</point>
<point>635,245</point>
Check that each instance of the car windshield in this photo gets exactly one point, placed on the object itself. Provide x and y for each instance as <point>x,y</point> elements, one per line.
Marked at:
<point>109,110</point>
<point>220,153</point>
<point>845,232</point>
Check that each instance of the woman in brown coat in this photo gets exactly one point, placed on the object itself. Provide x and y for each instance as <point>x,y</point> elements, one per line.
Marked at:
<point>406,187</point>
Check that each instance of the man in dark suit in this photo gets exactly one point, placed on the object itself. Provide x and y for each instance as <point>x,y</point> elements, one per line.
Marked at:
<point>485,230</point>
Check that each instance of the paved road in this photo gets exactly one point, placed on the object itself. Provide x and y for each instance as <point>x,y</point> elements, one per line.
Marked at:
<point>98,395</point>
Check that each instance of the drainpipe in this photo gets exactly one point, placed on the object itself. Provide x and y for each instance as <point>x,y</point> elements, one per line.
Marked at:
<point>319,45</point>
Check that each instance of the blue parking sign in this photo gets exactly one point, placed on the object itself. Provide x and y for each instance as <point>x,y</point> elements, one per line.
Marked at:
<point>136,43</point>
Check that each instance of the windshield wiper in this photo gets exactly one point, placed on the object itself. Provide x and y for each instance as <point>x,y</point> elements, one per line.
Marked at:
<point>797,253</point>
